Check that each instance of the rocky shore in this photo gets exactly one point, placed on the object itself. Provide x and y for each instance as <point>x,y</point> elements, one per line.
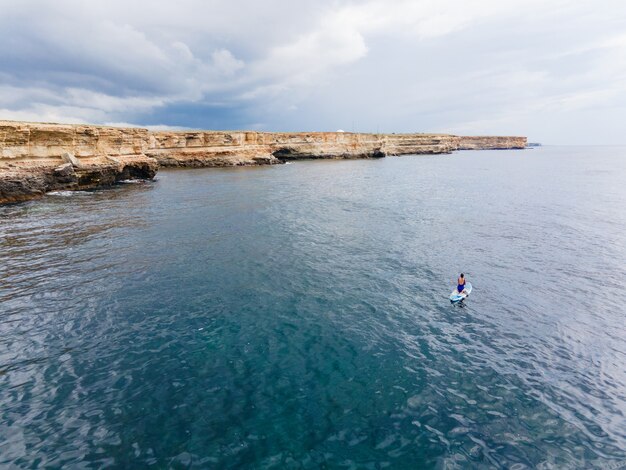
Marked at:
<point>36,158</point>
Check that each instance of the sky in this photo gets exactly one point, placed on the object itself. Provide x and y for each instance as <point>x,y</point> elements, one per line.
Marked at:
<point>552,70</point>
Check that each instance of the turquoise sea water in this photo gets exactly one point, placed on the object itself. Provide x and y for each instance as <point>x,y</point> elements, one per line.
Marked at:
<point>297,316</point>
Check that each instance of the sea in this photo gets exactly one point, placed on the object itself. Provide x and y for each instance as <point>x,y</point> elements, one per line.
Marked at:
<point>298,317</point>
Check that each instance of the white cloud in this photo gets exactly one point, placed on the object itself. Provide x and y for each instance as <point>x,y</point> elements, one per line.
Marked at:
<point>225,62</point>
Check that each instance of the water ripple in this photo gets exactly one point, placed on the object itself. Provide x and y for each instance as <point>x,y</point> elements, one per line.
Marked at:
<point>297,317</point>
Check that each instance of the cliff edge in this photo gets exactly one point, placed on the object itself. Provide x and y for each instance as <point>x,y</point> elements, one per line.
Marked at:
<point>36,157</point>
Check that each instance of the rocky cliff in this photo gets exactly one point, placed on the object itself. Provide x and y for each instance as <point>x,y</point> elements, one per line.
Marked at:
<point>200,148</point>
<point>36,158</point>
<point>491,143</point>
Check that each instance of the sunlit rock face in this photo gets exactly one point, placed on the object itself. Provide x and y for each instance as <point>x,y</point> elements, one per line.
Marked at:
<point>37,157</point>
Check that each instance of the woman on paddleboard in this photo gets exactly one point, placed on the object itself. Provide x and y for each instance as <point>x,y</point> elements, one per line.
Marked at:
<point>460,283</point>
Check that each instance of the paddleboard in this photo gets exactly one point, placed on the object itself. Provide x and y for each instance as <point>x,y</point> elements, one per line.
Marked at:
<point>456,297</point>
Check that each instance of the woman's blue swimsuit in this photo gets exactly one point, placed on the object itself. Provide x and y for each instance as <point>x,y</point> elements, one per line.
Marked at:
<point>460,287</point>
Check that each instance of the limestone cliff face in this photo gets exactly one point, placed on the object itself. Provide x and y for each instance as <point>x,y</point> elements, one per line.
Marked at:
<point>411,144</point>
<point>491,143</point>
<point>199,148</point>
<point>253,148</point>
<point>48,142</point>
<point>36,157</point>
<point>204,148</point>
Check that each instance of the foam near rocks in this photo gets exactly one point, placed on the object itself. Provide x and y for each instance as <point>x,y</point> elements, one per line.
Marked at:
<point>68,193</point>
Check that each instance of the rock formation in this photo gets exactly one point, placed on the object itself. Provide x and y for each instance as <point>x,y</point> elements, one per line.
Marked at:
<point>201,148</point>
<point>491,143</point>
<point>36,158</point>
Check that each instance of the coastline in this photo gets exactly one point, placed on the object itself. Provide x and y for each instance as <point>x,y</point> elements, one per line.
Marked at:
<point>36,158</point>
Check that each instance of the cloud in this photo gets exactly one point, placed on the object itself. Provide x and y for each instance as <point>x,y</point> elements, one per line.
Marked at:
<point>424,65</point>
<point>225,63</point>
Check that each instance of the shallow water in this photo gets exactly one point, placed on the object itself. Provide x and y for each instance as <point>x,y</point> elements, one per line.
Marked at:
<point>297,316</point>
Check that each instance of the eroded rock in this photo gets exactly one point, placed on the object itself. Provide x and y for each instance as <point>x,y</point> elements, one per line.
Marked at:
<point>37,157</point>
